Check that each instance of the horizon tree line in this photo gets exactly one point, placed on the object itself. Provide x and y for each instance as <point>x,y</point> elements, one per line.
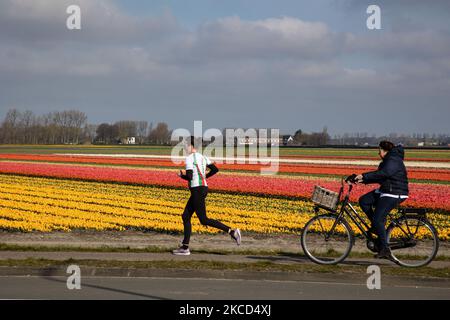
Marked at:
<point>72,127</point>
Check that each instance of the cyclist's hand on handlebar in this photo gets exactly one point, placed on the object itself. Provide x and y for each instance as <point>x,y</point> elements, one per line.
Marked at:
<point>354,179</point>
<point>351,179</point>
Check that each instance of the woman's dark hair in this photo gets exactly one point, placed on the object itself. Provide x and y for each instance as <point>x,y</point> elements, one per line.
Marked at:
<point>194,142</point>
<point>386,145</point>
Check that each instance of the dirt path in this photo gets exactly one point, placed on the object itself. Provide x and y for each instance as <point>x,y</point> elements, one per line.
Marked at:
<point>139,240</point>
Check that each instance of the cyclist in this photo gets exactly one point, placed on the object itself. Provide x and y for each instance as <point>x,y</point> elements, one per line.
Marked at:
<point>393,179</point>
<point>196,176</point>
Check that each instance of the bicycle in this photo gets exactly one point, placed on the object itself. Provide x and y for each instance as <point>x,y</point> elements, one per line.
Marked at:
<point>327,238</point>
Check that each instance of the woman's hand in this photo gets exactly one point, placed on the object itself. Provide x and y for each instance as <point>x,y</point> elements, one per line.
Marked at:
<point>181,173</point>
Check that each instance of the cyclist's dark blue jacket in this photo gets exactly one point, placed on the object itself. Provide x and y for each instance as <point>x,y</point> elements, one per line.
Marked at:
<point>391,173</point>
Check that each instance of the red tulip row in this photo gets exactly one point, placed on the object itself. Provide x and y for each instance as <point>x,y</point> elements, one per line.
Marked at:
<point>413,173</point>
<point>356,157</point>
<point>422,195</point>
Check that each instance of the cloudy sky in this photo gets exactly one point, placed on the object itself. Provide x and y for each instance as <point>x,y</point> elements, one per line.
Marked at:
<point>284,64</point>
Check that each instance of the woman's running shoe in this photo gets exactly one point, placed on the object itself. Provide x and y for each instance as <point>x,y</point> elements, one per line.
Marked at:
<point>181,252</point>
<point>236,235</point>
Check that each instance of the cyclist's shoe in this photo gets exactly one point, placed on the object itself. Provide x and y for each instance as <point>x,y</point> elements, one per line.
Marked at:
<point>371,231</point>
<point>236,235</point>
<point>181,251</point>
<point>384,253</point>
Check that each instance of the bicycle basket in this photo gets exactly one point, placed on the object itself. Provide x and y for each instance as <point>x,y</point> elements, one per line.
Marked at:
<point>325,198</point>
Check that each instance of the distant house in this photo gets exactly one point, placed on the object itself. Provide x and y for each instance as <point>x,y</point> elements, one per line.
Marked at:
<point>129,140</point>
<point>287,139</point>
<point>249,137</point>
<point>248,141</point>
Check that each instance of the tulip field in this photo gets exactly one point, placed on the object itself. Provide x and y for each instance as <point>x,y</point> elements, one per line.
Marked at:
<point>48,192</point>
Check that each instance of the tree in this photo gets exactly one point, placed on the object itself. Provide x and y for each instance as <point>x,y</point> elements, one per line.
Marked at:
<point>78,120</point>
<point>102,133</point>
<point>107,133</point>
<point>141,131</point>
<point>89,133</point>
<point>10,126</point>
<point>160,134</point>
<point>126,129</point>
<point>324,137</point>
<point>26,120</point>
<point>298,136</point>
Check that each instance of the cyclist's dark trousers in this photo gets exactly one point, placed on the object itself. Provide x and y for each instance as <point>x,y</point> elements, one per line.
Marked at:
<point>196,203</point>
<point>377,208</point>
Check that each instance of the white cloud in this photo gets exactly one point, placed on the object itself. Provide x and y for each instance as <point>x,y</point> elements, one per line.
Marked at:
<point>276,38</point>
<point>102,22</point>
<point>404,45</point>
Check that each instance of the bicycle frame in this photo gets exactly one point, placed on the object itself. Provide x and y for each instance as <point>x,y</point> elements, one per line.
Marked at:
<point>347,208</point>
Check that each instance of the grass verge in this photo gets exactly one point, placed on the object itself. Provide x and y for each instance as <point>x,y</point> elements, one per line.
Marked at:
<point>261,266</point>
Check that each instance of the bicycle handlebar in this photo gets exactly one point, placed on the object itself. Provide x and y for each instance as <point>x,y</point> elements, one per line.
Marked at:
<point>351,179</point>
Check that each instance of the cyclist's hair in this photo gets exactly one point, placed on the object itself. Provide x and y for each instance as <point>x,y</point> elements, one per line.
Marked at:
<point>386,145</point>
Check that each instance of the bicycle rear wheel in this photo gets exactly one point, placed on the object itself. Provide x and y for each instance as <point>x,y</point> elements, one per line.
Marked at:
<point>413,241</point>
<point>325,245</point>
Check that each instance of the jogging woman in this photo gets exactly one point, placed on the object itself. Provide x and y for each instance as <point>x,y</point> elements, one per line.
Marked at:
<point>393,179</point>
<point>196,176</point>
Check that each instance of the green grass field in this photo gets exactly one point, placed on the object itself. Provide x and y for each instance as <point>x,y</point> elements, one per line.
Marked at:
<point>165,150</point>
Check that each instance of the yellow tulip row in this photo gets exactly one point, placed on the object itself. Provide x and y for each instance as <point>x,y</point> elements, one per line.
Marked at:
<point>140,207</point>
<point>139,211</point>
<point>132,193</point>
<point>43,204</point>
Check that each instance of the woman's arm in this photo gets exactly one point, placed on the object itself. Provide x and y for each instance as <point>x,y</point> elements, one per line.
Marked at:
<point>212,170</point>
<point>187,176</point>
<point>380,175</point>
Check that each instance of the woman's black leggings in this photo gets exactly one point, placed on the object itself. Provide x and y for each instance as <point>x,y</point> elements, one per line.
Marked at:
<point>197,204</point>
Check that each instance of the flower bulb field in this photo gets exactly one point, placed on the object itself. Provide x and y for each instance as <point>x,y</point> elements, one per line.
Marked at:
<point>66,189</point>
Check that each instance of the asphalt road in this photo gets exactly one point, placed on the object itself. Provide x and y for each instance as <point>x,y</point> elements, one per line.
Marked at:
<point>38,287</point>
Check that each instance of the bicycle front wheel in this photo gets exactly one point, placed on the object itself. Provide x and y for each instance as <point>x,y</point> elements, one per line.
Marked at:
<point>326,240</point>
<point>413,241</point>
